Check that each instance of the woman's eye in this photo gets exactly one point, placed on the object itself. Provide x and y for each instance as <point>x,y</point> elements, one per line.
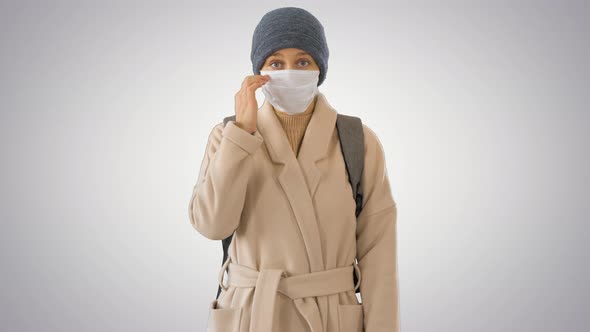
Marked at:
<point>277,64</point>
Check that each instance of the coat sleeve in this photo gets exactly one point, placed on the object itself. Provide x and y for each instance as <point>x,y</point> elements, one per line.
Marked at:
<point>219,194</point>
<point>377,243</point>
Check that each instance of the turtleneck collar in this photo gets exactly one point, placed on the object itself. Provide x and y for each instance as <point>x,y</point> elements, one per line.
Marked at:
<point>295,125</point>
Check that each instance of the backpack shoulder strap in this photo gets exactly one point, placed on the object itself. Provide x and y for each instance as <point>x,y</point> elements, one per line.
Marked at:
<point>352,143</point>
<point>228,118</point>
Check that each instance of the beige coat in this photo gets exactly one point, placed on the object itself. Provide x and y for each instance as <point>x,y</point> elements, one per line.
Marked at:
<point>292,258</point>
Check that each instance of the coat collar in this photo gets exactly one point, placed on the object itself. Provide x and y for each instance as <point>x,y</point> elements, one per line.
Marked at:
<point>299,176</point>
<point>314,145</point>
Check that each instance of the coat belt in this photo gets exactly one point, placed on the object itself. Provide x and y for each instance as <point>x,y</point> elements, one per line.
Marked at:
<point>299,288</point>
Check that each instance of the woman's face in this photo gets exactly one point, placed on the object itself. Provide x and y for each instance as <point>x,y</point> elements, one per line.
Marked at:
<point>290,58</point>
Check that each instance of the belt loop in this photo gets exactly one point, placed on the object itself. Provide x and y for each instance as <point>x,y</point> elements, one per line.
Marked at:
<point>223,268</point>
<point>358,274</point>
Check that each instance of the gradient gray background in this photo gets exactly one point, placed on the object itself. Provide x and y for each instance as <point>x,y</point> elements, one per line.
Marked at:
<point>482,109</point>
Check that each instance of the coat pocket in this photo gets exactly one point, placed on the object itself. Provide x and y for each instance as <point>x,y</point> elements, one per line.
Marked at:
<point>223,319</point>
<point>350,317</point>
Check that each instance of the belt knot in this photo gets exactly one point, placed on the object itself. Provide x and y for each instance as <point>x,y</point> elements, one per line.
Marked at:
<point>299,288</point>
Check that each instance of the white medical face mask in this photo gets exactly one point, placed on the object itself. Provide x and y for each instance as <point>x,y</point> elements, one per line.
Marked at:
<point>291,90</point>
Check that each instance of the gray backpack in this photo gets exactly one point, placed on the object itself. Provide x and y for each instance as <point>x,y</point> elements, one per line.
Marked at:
<point>350,132</point>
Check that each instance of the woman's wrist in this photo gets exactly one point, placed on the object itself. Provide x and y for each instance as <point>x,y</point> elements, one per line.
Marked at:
<point>251,132</point>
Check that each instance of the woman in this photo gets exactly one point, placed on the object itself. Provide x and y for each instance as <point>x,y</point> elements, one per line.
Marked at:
<point>276,177</point>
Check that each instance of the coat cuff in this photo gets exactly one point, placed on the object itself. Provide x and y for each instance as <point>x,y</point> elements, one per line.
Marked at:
<point>247,141</point>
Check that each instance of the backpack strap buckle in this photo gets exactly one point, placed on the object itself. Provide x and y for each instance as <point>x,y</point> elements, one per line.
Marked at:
<point>358,274</point>
<point>221,273</point>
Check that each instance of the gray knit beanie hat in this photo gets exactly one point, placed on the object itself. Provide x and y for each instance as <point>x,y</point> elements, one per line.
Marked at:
<point>288,27</point>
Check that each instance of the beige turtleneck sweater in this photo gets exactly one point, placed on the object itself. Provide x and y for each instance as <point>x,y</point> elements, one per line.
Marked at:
<point>295,126</point>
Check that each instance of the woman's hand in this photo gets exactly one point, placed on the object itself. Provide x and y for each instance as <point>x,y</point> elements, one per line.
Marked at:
<point>246,104</point>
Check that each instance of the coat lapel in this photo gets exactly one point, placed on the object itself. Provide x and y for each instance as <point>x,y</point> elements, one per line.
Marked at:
<point>299,175</point>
